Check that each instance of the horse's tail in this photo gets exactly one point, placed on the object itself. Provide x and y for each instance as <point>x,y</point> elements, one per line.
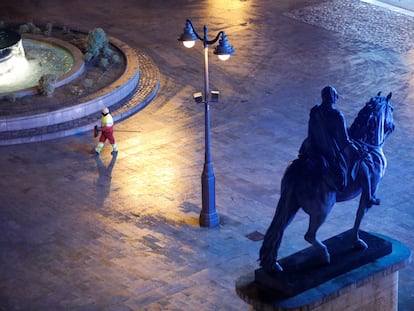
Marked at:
<point>287,208</point>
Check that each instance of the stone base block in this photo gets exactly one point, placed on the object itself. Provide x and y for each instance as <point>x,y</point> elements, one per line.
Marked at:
<point>372,286</point>
<point>306,269</point>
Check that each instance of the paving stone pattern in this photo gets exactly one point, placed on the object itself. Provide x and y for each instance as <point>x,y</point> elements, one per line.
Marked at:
<point>82,233</point>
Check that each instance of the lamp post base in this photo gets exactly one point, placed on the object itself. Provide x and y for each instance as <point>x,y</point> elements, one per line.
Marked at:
<point>209,220</point>
<point>208,216</point>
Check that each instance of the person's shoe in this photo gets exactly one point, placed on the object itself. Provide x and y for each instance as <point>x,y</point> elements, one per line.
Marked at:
<point>114,152</point>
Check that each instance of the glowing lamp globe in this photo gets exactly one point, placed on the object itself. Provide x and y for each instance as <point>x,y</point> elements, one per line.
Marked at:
<point>189,44</point>
<point>224,57</point>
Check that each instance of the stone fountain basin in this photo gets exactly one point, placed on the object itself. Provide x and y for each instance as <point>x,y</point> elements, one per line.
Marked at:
<point>111,94</point>
<point>76,70</point>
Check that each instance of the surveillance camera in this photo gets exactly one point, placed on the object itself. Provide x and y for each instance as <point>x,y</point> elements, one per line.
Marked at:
<point>214,96</point>
<point>198,97</point>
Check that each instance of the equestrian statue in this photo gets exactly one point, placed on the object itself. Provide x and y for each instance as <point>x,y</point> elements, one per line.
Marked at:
<point>334,164</point>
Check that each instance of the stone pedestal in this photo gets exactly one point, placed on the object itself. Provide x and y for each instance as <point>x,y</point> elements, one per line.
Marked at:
<point>355,280</point>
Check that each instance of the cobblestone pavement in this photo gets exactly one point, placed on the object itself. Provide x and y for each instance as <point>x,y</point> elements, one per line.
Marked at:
<point>121,233</point>
<point>403,4</point>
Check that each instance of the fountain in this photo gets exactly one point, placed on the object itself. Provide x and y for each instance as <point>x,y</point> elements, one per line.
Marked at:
<point>13,62</point>
<point>10,46</point>
<point>20,71</point>
<point>26,116</point>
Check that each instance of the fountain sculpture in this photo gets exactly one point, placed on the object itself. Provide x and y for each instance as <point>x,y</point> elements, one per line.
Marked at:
<point>11,52</point>
<point>10,44</point>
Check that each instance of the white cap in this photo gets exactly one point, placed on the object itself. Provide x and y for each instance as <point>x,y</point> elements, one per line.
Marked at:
<point>105,110</point>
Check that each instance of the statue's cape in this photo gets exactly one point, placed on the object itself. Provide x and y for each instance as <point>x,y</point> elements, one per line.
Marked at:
<point>322,143</point>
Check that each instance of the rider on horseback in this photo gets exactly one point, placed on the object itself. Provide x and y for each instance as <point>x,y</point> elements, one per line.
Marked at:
<point>328,140</point>
<point>319,177</point>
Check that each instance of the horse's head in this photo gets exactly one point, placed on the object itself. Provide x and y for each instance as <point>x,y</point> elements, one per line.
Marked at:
<point>374,121</point>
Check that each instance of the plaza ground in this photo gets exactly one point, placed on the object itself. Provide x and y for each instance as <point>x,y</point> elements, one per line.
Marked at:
<point>121,233</point>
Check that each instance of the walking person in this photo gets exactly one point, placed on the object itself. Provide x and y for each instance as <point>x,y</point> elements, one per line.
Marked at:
<point>107,132</point>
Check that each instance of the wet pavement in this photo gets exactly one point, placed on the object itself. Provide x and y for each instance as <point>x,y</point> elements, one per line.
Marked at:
<point>121,233</point>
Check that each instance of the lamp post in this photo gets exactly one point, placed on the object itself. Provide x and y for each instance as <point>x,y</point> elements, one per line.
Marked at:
<point>208,216</point>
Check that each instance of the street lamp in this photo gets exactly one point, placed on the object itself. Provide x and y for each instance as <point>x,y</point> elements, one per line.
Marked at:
<point>208,216</point>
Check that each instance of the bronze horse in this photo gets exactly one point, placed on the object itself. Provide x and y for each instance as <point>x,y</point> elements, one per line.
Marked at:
<point>303,187</point>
